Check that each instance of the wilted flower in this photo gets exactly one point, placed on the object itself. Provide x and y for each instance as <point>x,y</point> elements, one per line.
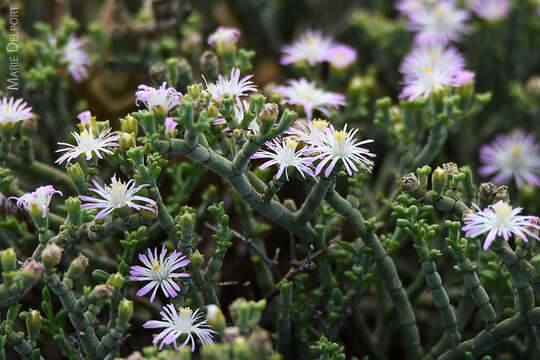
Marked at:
<point>12,112</point>
<point>312,47</point>
<point>342,145</point>
<point>492,10</point>
<point>234,87</point>
<point>88,144</point>
<point>163,97</point>
<point>37,203</point>
<point>160,271</point>
<point>115,196</point>
<point>185,321</point>
<point>304,93</point>
<point>76,58</point>
<point>285,154</point>
<point>516,155</point>
<point>439,23</point>
<point>341,56</point>
<point>499,219</point>
<point>224,39</point>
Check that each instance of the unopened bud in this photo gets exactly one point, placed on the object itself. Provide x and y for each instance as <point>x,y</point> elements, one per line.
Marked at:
<point>126,141</point>
<point>129,124</point>
<point>438,179</point>
<point>116,280</point>
<point>33,324</point>
<point>77,266</point>
<point>237,133</point>
<point>76,174</point>
<point>215,318</point>
<point>502,194</point>
<point>269,113</point>
<point>33,269</point>
<point>486,194</point>
<point>9,260</point>
<point>51,255</point>
<point>197,259</point>
<point>125,311</point>
<point>187,220</point>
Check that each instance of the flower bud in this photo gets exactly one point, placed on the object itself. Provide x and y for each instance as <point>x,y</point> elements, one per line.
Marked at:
<point>101,293</point>
<point>51,255</point>
<point>290,204</point>
<point>125,310</point>
<point>197,259</point>
<point>215,318</point>
<point>269,113</point>
<point>187,220</point>
<point>116,280</point>
<point>33,324</point>
<point>8,259</point>
<point>158,72</point>
<point>76,174</point>
<point>73,207</point>
<point>237,133</point>
<point>126,141</point>
<point>486,194</point>
<point>502,194</point>
<point>77,266</point>
<point>213,111</point>
<point>438,179</point>
<point>33,269</point>
<point>129,124</point>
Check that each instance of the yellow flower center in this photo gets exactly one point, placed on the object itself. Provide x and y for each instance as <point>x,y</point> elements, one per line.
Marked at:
<point>311,41</point>
<point>439,12</point>
<point>502,209</point>
<point>291,144</point>
<point>516,150</point>
<point>340,137</point>
<point>427,70</point>
<point>320,124</point>
<point>156,267</point>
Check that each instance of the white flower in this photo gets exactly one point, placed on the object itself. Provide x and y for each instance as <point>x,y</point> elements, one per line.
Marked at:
<point>310,97</point>
<point>440,23</point>
<point>234,87</point>
<point>175,324</point>
<point>88,144</point>
<point>311,46</point>
<point>309,131</point>
<point>341,56</point>
<point>424,83</point>
<point>342,145</point>
<point>166,98</point>
<point>499,219</point>
<point>115,196</point>
<point>516,155</point>
<point>284,154</point>
<point>12,112</point>
<point>428,56</point>
<point>492,10</point>
<point>160,272</point>
<point>77,59</point>
<point>37,203</point>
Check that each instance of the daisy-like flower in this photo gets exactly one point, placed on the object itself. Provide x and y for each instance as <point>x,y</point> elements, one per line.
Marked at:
<point>407,7</point>
<point>422,57</point>
<point>116,195</point>
<point>500,219</point>
<point>516,155</point>
<point>285,154</point>
<point>341,56</point>
<point>177,323</point>
<point>76,58</point>
<point>491,10</point>
<point>440,23</point>
<point>88,144</point>
<point>312,47</point>
<point>163,97</point>
<point>37,202</point>
<point>224,39</point>
<point>342,145</point>
<point>424,83</point>
<point>310,97</point>
<point>12,112</point>
<point>234,87</point>
<point>309,131</point>
<point>160,272</point>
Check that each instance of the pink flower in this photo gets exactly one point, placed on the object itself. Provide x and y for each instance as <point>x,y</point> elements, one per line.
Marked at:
<point>84,117</point>
<point>13,111</point>
<point>170,126</point>
<point>166,98</point>
<point>499,220</point>
<point>37,202</point>
<point>492,10</point>
<point>312,47</point>
<point>516,155</point>
<point>309,96</point>
<point>76,58</point>
<point>234,87</point>
<point>160,272</point>
<point>224,39</point>
<point>341,56</point>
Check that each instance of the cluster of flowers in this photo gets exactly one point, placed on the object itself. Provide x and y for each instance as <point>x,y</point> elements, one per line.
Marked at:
<point>321,142</point>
